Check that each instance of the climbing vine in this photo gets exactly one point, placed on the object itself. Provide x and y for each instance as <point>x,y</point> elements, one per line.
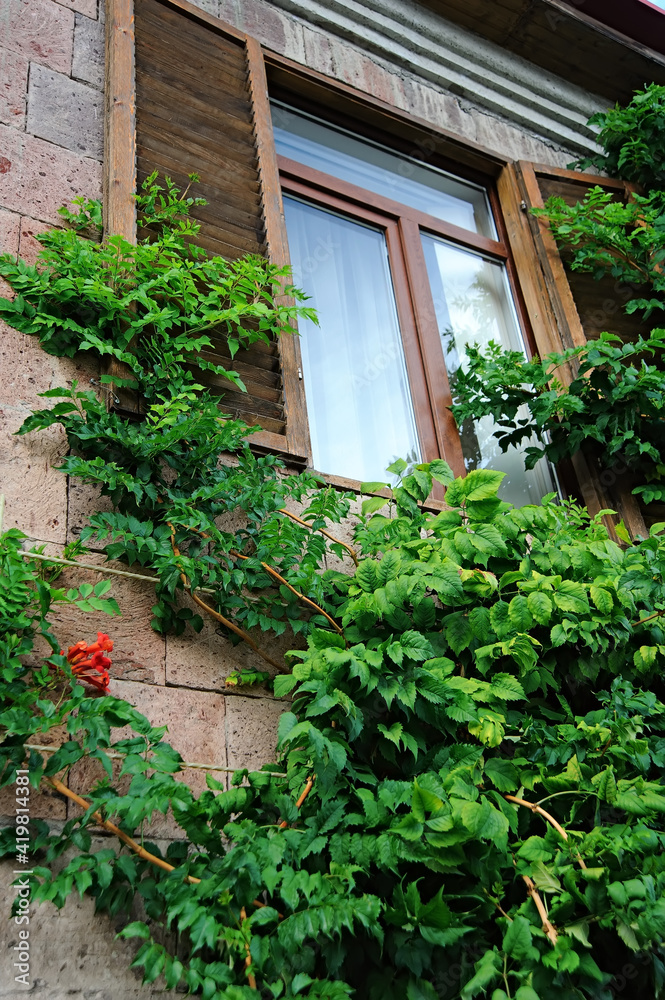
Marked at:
<point>614,406</point>
<point>467,800</point>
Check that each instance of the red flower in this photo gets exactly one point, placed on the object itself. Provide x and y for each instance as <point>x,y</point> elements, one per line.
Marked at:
<point>89,663</point>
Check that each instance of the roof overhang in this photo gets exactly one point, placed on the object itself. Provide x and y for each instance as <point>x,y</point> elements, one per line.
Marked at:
<point>608,47</point>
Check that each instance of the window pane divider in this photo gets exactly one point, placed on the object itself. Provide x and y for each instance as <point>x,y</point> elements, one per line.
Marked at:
<point>436,376</point>
<point>392,209</point>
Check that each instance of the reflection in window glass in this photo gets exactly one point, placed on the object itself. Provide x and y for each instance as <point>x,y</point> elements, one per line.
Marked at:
<point>370,166</point>
<point>473,306</point>
<point>358,402</point>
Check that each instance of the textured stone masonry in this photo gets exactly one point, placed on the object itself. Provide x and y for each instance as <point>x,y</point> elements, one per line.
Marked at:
<point>65,112</point>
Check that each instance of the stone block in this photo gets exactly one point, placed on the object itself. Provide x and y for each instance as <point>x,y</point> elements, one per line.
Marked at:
<point>274,29</point>
<point>29,246</point>
<point>45,804</point>
<point>10,224</point>
<point>35,493</point>
<point>195,721</point>
<point>13,85</point>
<point>40,30</point>
<point>26,370</point>
<point>84,499</point>
<point>251,730</point>
<point>204,660</point>
<point>89,43</point>
<point>86,7</point>
<point>74,952</point>
<point>65,112</point>
<point>36,177</point>
<point>10,228</point>
<point>138,651</point>
<point>318,51</point>
<point>209,6</point>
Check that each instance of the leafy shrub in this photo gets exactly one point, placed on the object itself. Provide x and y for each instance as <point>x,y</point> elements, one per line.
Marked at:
<point>468,796</point>
<point>614,400</point>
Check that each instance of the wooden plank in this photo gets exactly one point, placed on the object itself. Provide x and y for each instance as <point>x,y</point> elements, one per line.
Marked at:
<point>436,377</point>
<point>198,16</point>
<point>527,264</point>
<point>240,184</point>
<point>568,320</point>
<point>546,172</point>
<point>234,145</point>
<point>232,104</point>
<point>119,154</point>
<point>168,18</point>
<point>120,158</point>
<point>295,406</point>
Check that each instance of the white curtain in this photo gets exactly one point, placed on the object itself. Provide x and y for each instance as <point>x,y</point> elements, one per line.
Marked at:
<point>473,306</point>
<point>360,412</point>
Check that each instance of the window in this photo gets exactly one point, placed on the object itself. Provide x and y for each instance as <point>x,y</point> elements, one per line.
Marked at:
<point>403,264</point>
<point>445,236</point>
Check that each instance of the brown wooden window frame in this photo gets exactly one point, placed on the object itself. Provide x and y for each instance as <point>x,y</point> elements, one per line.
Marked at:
<point>544,303</point>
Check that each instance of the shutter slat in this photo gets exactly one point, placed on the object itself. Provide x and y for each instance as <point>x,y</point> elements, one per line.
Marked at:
<point>196,90</point>
<point>583,308</point>
<point>195,114</point>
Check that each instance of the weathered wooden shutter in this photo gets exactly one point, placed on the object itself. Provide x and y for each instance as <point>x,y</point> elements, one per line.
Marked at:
<point>568,307</point>
<point>201,106</point>
<point>584,307</point>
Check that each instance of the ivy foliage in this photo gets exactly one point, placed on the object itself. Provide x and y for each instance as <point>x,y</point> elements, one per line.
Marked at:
<point>492,659</point>
<point>468,797</point>
<point>614,403</point>
<point>156,307</point>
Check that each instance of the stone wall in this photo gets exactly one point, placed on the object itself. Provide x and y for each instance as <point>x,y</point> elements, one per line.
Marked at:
<point>51,128</point>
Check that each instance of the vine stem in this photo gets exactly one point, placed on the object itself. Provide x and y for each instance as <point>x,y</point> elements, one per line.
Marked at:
<point>248,958</point>
<point>535,808</point>
<point>184,765</point>
<point>99,568</point>
<point>307,789</point>
<point>294,517</point>
<point>220,618</point>
<point>112,828</point>
<point>658,614</point>
<point>548,926</point>
<point>278,576</point>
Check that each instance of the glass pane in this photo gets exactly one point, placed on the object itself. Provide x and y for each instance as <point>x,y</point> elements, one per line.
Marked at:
<point>473,306</point>
<point>368,165</point>
<point>358,402</point>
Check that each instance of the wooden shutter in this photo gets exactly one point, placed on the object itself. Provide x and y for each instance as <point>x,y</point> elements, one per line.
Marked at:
<point>201,106</point>
<point>567,308</point>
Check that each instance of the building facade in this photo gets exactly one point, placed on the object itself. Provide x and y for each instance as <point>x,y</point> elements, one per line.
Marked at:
<point>390,150</point>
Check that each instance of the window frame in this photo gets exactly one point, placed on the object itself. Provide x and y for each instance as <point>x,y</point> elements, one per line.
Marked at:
<point>403,226</point>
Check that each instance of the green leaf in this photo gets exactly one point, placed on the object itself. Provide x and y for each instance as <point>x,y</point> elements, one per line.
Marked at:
<point>571,596</point>
<point>506,687</point>
<point>602,599</point>
<point>372,504</point>
<point>481,484</point>
<point>484,821</point>
<point>517,941</point>
<point>502,774</point>
<point>544,878</point>
<point>520,613</point>
<point>540,607</point>
<point>441,471</point>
